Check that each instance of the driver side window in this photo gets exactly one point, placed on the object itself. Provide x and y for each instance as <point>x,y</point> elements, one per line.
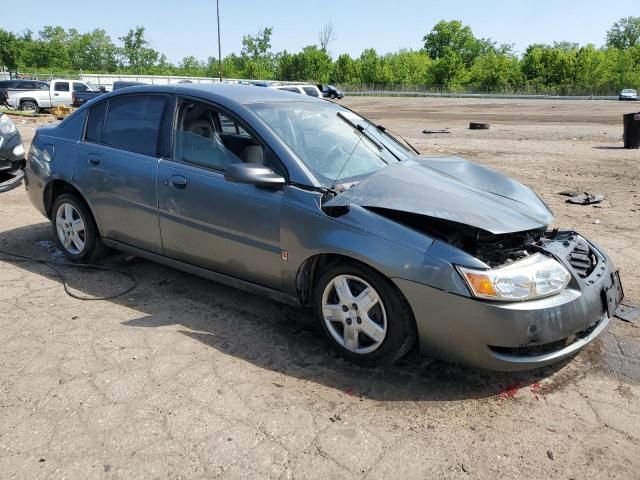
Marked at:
<point>204,136</point>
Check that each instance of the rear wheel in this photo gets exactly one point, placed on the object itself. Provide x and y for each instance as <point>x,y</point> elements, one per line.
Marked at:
<point>75,230</point>
<point>365,318</point>
<point>29,106</point>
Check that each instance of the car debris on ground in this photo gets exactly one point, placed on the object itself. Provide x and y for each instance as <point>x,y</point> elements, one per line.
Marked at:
<point>582,198</point>
<point>428,132</point>
<point>628,311</point>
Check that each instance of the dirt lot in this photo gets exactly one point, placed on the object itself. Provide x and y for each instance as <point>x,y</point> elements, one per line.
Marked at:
<point>184,378</point>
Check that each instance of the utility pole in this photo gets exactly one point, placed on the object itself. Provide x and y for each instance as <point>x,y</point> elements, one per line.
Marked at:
<point>219,45</point>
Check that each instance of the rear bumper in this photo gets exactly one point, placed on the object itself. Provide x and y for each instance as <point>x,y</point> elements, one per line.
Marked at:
<point>511,336</point>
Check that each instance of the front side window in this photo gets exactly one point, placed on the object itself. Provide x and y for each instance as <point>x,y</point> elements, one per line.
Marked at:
<point>79,87</point>
<point>61,87</point>
<point>206,137</point>
<point>133,123</point>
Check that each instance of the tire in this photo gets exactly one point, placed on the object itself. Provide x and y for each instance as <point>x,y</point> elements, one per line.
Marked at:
<point>29,106</point>
<point>332,96</point>
<point>79,242</point>
<point>389,318</point>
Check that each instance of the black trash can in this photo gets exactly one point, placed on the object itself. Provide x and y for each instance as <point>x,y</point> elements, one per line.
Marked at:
<point>631,130</point>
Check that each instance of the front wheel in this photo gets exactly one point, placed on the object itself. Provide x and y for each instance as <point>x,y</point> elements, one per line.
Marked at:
<point>364,316</point>
<point>75,230</point>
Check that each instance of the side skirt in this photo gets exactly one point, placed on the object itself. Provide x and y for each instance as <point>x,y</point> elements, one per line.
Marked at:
<point>208,274</point>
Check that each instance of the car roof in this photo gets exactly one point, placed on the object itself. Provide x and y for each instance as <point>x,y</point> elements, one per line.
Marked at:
<point>225,93</point>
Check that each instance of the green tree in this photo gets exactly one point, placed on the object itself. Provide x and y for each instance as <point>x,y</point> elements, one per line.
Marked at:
<point>344,70</point>
<point>453,36</point>
<point>493,72</point>
<point>625,33</point>
<point>448,69</point>
<point>136,52</point>
<point>257,58</point>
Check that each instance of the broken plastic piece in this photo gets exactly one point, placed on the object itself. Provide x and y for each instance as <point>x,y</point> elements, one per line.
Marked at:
<point>586,198</point>
<point>628,311</point>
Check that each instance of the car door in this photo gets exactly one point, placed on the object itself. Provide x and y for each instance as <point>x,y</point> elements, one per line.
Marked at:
<point>207,221</point>
<point>116,167</point>
<point>61,94</point>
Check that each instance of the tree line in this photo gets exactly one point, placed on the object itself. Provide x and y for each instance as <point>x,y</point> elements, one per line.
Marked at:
<point>452,57</point>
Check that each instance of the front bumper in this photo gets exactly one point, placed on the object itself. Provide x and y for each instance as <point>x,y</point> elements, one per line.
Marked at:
<point>518,335</point>
<point>9,161</point>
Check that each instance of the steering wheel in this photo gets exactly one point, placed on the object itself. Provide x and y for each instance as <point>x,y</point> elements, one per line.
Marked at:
<point>334,154</point>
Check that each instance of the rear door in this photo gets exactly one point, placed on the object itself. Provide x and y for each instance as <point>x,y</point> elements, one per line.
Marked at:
<point>205,220</point>
<point>116,167</point>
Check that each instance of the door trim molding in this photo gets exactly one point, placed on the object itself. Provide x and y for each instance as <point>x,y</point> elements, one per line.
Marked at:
<point>234,282</point>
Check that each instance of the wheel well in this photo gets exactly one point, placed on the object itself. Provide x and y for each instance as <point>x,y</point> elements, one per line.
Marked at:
<point>54,189</point>
<point>311,269</point>
<point>22,100</point>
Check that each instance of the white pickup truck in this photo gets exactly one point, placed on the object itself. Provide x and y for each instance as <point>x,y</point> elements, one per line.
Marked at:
<point>58,93</point>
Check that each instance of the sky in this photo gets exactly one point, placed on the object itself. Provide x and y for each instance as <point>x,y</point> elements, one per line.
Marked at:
<point>188,27</point>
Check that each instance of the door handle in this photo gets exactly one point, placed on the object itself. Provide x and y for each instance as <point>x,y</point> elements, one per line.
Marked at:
<point>56,94</point>
<point>178,181</point>
<point>94,159</point>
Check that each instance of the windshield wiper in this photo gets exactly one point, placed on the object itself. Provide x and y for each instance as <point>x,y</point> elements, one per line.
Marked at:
<point>361,129</point>
<point>387,131</point>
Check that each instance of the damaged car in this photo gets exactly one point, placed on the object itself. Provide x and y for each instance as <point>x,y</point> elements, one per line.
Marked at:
<point>309,203</point>
<point>12,158</point>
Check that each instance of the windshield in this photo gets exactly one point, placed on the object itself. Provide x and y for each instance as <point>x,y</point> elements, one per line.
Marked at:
<point>337,145</point>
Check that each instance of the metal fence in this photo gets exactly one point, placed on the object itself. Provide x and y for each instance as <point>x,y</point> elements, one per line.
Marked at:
<point>508,91</point>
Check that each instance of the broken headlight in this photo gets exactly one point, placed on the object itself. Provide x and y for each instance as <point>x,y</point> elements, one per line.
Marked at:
<point>533,277</point>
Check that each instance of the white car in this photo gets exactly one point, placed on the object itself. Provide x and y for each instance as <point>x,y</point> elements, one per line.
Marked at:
<point>628,94</point>
<point>58,93</point>
<point>303,88</point>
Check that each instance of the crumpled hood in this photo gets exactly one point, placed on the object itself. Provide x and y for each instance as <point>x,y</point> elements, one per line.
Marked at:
<point>451,188</point>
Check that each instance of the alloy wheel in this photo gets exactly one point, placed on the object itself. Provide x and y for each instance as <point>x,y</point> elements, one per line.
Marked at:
<point>354,314</point>
<point>71,229</point>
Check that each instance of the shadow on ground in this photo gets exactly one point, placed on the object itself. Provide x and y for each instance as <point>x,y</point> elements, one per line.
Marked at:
<point>271,335</point>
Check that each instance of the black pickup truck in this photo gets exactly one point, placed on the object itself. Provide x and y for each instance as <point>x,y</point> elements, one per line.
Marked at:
<point>80,98</point>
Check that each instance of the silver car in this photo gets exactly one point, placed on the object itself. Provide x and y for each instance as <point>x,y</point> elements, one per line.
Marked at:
<point>309,203</point>
<point>628,94</point>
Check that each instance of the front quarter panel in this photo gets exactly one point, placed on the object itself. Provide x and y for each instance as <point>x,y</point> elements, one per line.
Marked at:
<point>390,248</point>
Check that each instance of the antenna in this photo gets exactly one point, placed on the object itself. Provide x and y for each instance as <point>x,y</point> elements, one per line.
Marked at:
<point>219,44</point>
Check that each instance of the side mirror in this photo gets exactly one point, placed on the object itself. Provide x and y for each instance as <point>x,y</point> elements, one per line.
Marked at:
<point>253,174</point>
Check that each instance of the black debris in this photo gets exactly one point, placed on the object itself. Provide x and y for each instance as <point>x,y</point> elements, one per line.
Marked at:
<point>550,455</point>
<point>479,126</point>
<point>428,132</point>
<point>586,198</point>
<point>570,193</point>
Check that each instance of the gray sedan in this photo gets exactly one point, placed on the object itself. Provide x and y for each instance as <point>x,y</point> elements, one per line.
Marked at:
<point>311,204</point>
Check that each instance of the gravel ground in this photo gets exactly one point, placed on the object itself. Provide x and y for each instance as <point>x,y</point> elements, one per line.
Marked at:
<point>185,378</point>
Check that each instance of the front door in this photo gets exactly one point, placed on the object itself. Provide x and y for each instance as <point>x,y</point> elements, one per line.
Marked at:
<point>117,165</point>
<point>61,94</point>
<point>211,223</point>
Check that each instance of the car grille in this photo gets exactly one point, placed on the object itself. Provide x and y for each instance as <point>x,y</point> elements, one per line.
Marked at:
<point>582,259</point>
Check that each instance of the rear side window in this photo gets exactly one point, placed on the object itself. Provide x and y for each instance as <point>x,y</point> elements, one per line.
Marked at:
<point>61,87</point>
<point>310,91</point>
<point>133,123</point>
<point>94,123</point>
